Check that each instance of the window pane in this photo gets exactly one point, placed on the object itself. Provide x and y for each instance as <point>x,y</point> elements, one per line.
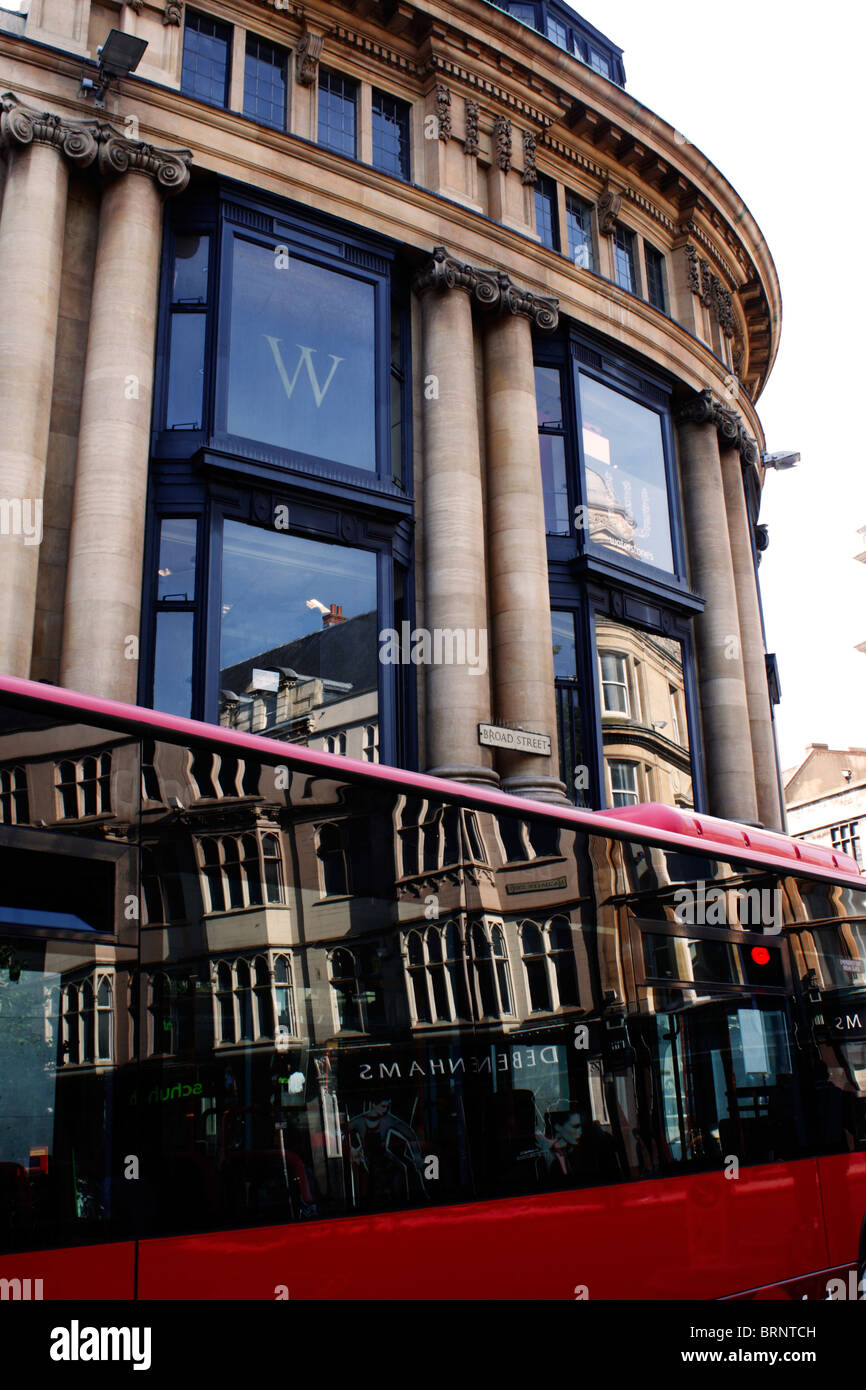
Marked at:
<point>274,589</point>
<point>302,363</point>
<point>644,721</point>
<point>655,277</point>
<point>391,134</point>
<point>552,451</point>
<point>186,372</point>
<point>545,212</point>
<point>338,98</point>
<point>191,255</point>
<point>265,81</point>
<point>177,542</point>
<point>625,479</point>
<point>579,225</point>
<point>172,680</point>
<point>623,256</point>
<point>206,47</point>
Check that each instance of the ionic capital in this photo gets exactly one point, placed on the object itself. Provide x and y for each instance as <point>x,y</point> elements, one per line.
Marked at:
<point>118,155</point>
<point>493,290</point>
<point>86,142</point>
<point>22,126</point>
<point>704,409</point>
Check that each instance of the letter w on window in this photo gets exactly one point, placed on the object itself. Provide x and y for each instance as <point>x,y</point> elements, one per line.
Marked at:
<point>305,360</point>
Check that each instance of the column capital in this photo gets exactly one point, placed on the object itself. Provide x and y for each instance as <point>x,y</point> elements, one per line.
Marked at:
<point>92,141</point>
<point>118,155</point>
<point>494,290</point>
<point>704,409</point>
<point>22,125</point>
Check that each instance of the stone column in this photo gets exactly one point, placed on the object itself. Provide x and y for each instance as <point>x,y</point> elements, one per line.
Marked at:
<point>522,647</point>
<point>38,145</point>
<point>103,586</point>
<point>721,678</point>
<point>455,580</point>
<point>752,633</point>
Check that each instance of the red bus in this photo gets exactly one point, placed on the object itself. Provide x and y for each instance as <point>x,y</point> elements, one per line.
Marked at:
<point>278,1024</point>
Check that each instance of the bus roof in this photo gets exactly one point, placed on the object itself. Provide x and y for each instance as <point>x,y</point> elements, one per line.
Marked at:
<point>658,824</point>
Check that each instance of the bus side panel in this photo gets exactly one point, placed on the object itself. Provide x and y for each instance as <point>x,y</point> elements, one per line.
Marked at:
<point>843,1191</point>
<point>700,1237</point>
<point>81,1271</point>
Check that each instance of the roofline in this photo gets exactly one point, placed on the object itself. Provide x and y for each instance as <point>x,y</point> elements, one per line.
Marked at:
<point>660,825</point>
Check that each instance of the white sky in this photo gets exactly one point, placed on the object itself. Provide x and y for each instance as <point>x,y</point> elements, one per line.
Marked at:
<point>770,91</point>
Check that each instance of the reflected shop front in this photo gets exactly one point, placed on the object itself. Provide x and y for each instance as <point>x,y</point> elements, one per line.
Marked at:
<point>298,995</point>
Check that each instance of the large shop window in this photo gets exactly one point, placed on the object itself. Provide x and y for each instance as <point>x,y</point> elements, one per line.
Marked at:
<point>280,538</point>
<point>302,357</point>
<point>277,637</point>
<point>624,475</point>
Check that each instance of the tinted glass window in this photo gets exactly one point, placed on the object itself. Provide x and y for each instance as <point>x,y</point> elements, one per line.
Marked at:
<point>626,482</point>
<point>302,357</point>
<point>546,220</point>
<point>265,81</point>
<point>391,134</point>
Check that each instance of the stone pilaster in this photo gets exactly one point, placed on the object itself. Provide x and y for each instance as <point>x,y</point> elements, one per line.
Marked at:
<point>39,147</point>
<point>455,579</point>
<point>103,589</point>
<point>522,646</point>
<point>721,676</point>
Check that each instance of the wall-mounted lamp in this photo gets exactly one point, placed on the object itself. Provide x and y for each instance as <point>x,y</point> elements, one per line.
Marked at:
<point>118,57</point>
<point>781,461</point>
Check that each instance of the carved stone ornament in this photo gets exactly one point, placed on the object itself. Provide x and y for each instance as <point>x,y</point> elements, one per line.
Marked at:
<point>609,205</point>
<point>502,142</point>
<point>173,12</point>
<point>20,125</point>
<point>494,290</point>
<point>443,111</point>
<point>704,409</point>
<point>530,172</point>
<point>712,293</point>
<point>307,56</point>
<point>470,143</point>
<point>137,5</point>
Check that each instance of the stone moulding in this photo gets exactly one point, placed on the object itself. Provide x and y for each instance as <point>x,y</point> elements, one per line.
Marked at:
<point>307,54</point>
<point>470,142</point>
<point>493,290</point>
<point>704,409</point>
<point>88,142</point>
<point>443,111</point>
<point>530,172</point>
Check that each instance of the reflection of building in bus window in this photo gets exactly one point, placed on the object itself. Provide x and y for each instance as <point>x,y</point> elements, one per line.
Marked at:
<point>356,981</point>
<point>574,1148</point>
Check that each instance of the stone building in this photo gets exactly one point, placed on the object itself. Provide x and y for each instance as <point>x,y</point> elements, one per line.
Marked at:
<point>825,797</point>
<point>405,314</point>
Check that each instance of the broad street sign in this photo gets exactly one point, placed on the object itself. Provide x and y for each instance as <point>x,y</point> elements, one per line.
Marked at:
<point>516,740</point>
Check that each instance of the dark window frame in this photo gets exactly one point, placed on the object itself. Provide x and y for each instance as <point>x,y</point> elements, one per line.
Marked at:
<point>192,19</point>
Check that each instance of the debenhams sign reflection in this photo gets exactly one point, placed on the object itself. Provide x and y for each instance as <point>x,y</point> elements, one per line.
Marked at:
<point>517,1059</point>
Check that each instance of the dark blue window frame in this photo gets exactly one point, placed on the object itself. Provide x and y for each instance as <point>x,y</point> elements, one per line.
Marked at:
<point>266,82</point>
<point>624,259</point>
<point>210,477</point>
<point>656,291</point>
<point>588,579</point>
<point>207,58</point>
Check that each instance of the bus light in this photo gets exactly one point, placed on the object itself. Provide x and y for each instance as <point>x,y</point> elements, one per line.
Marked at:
<point>760,955</point>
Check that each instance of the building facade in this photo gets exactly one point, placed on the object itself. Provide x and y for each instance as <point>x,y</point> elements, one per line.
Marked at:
<point>825,798</point>
<point>375,373</point>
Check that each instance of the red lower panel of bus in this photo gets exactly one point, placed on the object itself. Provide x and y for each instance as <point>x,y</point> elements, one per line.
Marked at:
<point>760,1235</point>
<point>702,1237</point>
<point>98,1272</point>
